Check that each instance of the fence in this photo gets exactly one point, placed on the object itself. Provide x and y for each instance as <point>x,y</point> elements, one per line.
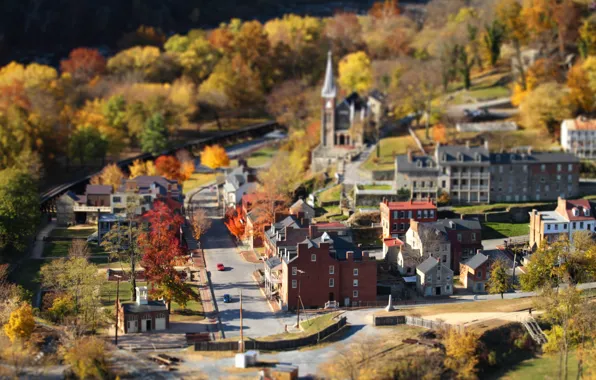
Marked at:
<point>392,320</point>
<point>277,345</point>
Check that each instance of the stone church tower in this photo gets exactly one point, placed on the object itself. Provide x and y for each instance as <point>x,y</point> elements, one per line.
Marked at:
<point>329,97</point>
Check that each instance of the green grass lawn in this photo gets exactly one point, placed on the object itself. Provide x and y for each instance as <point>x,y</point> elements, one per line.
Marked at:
<point>375,187</point>
<point>73,232</point>
<point>502,230</point>
<point>197,180</point>
<point>544,367</point>
<point>60,249</point>
<point>481,209</point>
<point>109,289</point>
<point>390,146</point>
<point>331,194</point>
<point>192,312</point>
<point>262,156</point>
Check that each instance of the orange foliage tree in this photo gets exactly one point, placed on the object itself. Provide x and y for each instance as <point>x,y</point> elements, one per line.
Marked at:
<point>233,220</point>
<point>440,133</point>
<point>84,64</point>
<point>214,156</point>
<point>169,167</point>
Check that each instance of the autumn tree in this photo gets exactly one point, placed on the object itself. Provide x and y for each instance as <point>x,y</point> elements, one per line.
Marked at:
<point>355,72</point>
<point>169,167</point>
<point>84,64</point>
<point>345,31</point>
<point>545,107</point>
<point>492,41</point>
<point>139,60</point>
<point>439,133</point>
<point>114,111</point>
<point>214,156</point>
<point>143,36</point>
<point>137,169</point>
<point>88,358</point>
<point>110,175</point>
<point>154,138</point>
<point>461,353</point>
<point>587,37</point>
<point>499,281</point>
<point>509,14</point>
<point>197,56</point>
<point>289,103</point>
<point>200,222</point>
<point>542,271</point>
<point>62,307</point>
<point>581,95</point>
<point>161,249</point>
<point>20,324</point>
<point>234,222</point>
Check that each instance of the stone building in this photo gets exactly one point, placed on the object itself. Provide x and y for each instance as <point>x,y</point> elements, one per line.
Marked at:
<point>475,175</point>
<point>434,278</point>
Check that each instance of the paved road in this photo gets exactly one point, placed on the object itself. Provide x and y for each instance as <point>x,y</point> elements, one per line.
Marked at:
<point>499,107</point>
<point>352,173</point>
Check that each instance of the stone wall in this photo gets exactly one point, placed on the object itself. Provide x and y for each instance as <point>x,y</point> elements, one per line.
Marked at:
<point>383,175</point>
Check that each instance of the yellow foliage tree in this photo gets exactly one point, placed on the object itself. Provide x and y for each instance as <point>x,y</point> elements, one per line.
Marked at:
<point>110,175</point>
<point>141,59</point>
<point>581,94</point>
<point>138,168</point>
<point>151,169</point>
<point>92,115</point>
<point>214,156</point>
<point>460,353</point>
<point>186,170</point>
<point>541,71</point>
<point>87,358</point>
<point>20,324</point>
<point>33,75</point>
<point>545,107</point>
<point>355,73</point>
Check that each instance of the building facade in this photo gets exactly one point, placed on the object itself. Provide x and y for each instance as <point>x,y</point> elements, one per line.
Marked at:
<point>578,136</point>
<point>434,278</point>
<point>569,217</point>
<point>474,175</point>
<point>144,315</point>
<point>474,273</point>
<point>396,216</point>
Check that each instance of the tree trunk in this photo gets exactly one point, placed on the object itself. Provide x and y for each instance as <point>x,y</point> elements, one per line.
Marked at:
<point>520,65</point>
<point>501,295</point>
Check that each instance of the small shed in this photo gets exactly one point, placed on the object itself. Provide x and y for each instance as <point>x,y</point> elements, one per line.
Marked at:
<point>143,315</point>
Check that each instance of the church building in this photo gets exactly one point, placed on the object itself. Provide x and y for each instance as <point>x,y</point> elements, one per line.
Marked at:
<point>345,125</point>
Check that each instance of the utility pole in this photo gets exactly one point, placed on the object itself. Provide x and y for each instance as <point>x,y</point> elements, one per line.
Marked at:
<point>117,306</point>
<point>241,345</point>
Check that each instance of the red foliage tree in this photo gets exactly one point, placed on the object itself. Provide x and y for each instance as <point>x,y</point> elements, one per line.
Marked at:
<point>162,252</point>
<point>233,220</point>
<point>14,95</point>
<point>169,167</point>
<point>84,64</point>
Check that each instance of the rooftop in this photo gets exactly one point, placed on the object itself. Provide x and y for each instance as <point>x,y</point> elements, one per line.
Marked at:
<point>411,205</point>
<point>150,307</point>
<point>477,260</point>
<point>427,265</point>
<point>580,124</point>
<point>392,242</point>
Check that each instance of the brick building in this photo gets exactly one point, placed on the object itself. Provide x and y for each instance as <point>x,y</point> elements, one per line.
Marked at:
<point>474,273</point>
<point>327,268</point>
<point>143,315</point>
<point>396,216</point>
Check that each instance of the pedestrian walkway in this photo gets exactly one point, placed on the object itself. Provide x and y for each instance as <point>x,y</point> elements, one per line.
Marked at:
<point>39,240</point>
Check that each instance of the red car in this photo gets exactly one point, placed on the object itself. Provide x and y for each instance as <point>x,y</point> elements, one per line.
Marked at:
<point>220,267</point>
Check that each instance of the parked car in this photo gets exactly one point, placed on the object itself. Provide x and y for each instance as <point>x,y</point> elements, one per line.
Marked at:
<point>227,298</point>
<point>221,267</point>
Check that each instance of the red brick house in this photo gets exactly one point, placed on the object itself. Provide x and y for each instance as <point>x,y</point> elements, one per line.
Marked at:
<point>328,267</point>
<point>396,216</point>
<point>465,237</point>
<point>143,315</point>
<point>474,273</point>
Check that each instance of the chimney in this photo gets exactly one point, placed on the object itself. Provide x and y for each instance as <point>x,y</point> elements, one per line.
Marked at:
<point>142,298</point>
<point>561,203</point>
<point>312,230</point>
<point>410,158</point>
<point>486,144</point>
<point>529,150</point>
<point>467,143</point>
<point>462,216</point>
<point>478,251</point>
<point>365,255</point>
<point>349,255</point>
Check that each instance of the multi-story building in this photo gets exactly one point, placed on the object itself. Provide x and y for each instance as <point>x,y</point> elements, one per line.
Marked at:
<point>578,136</point>
<point>425,240</point>
<point>327,268</point>
<point>569,217</point>
<point>80,209</point>
<point>434,278</point>
<point>474,175</point>
<point>240,181</point>
<point>396,216</point>
<point>144,191</point>
<point>474,273</point>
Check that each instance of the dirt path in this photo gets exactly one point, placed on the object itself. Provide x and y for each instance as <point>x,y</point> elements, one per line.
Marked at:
<point>39,242</point>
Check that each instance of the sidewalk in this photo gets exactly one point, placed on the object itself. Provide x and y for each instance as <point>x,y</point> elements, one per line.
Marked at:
<point>37,252</point>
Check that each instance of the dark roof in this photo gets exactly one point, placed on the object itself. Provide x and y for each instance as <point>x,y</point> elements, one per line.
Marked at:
<point>378,95</point>
<point>444,225</point>
<point>427,265</point>
<point>340,244</point>
<point>145,183</point>
<point>98,189</point>
<point>151,306</point>
<point>418,163</point>
<point>476,260</point>
<point>462,154</point>
<point>533,158</point>
<point>272,262</point>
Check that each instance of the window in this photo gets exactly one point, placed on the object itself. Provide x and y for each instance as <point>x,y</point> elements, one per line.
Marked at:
<point>546,187</point>
<point>565,226</point>
<point>432,213</point>
<point>548,227</point>
<point>458,237</point>
<point>479,274</point>
<point>418,214</point>
<point>414,184</point>
<point>331,269</point>
<point>394,226</point>
<point>394,214</point>
<point>117,199</point>
<point>556,227</point>
<point>410,214</point>
<point>558,177</point>
<point>313,257</point>
<point>401,226</point>
<point>294,284</point>
<point>500,169</point>
<point>331,283</point>
<point>355,271</point>
<point>444,258</point>
<point>581,225</point>
<point>525,168</point>
<point>569,178</point>
<point>542,167</point>
<point>355,283</point>
<point>355,293</point>
<point>422,184</point>
<point>587,212</point>
<point>443,184</point>
<point>559,167</point>
<point>569,167</point>
<point>473,236</point>
<point>294,271</point>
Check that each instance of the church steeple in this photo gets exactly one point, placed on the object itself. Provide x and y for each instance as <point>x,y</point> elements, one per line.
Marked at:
<point>329,90</point>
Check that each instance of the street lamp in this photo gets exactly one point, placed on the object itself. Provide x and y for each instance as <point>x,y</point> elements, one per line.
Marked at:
<point>300,272</point>
<point>118,277</point>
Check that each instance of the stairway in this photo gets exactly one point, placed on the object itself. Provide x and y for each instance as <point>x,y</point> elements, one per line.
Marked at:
<point>535,331</point>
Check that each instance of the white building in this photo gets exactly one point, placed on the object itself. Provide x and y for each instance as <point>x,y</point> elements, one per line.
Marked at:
<point>578,136</point>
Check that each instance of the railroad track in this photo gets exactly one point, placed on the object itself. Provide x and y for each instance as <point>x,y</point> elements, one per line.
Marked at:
<point>47,198</point>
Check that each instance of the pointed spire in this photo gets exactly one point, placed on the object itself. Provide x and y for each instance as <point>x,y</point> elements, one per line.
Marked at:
<point>329,90</point>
